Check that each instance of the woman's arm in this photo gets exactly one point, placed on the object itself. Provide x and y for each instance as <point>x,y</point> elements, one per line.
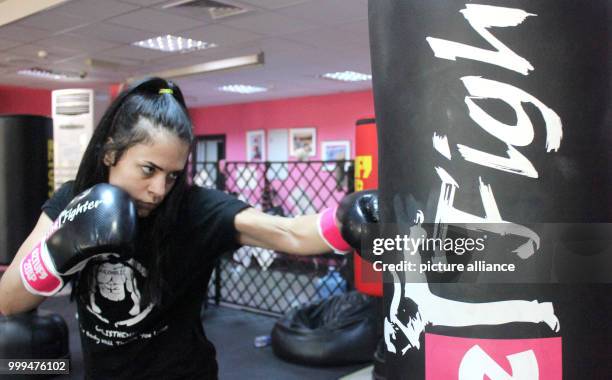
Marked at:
<point>14,298</point>
<point>297,235</point>
<point>311,234</point>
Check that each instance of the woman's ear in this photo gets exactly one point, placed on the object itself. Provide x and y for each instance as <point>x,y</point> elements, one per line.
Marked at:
<point>109,158</point>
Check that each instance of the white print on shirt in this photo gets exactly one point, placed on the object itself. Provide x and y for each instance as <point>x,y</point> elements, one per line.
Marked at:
<point>433,309</point>
<point>118,338</point>
<point>115,281</point>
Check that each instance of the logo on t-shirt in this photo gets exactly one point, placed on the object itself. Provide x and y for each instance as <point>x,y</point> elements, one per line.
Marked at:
<point>114,308</point>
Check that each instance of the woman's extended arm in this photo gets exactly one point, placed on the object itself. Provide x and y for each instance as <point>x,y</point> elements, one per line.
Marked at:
<point>14,298</point>
<point>297,235</point>
<point>311,234</point>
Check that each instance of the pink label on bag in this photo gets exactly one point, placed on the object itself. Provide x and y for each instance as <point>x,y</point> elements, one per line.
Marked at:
<point>448,357</point>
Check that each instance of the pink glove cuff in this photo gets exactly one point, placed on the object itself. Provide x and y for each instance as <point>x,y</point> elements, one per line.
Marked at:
<point>330,233</point>
<point>37,273</point>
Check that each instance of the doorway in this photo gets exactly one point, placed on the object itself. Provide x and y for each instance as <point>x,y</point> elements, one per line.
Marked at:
<point>208,151</point>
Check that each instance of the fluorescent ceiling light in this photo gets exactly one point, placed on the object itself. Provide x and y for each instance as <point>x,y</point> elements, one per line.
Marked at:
<point>211,66</point>
<point>170,43</point>
<point>242,88</point>
<point>347,76</point>
<point>50,74</point>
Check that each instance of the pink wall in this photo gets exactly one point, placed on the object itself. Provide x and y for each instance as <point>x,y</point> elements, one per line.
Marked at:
<point>333,116</point>
<point>22,100</point>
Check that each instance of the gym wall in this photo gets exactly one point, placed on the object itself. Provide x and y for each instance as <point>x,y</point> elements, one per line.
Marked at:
<point>22,100</point>
<point>332,115</point>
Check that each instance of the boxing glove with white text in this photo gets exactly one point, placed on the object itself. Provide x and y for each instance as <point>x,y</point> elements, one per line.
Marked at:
<point>101,220</point>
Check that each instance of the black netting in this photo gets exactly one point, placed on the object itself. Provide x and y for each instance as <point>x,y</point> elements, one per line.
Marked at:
<point>272,281</point>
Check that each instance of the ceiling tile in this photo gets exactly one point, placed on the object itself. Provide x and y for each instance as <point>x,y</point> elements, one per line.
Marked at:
<point>270,24</point>
<point>53,21</point>
<point>22,33</point>
<point>327,38</point>
<point>155,21</point>
<point>74,59</point>
<point>94,10</point>
<point>201,14</point>
<point>359,29</point>
<point>74,63</point>
<point>144,3</point>
<point>112,32</point>
<point>294,60</point>
<point>220,35</point>
<point>273,4</point>
<point>328,12</point>
<point>7,44</point>
<point>31,51</point>
<point>75,42</point>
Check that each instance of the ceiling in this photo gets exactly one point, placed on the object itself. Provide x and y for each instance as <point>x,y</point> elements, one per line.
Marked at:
<point>301,39</point>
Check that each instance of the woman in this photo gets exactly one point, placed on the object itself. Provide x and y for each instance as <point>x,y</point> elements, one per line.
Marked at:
<point>139,314</point>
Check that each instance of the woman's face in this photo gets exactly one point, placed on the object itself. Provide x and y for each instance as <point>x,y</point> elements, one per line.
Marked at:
<point>147,171</point>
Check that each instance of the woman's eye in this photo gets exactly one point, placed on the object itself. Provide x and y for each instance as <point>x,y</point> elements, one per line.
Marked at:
<point>147,170</point>
<point>173,176</point>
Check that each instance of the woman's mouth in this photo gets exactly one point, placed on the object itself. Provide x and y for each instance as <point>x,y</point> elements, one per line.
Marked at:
<point>146,205</point>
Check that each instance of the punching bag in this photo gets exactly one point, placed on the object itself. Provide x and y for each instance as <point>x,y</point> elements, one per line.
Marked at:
<point>496,113</point>
<point>25,167</point>
<point>367,280</point>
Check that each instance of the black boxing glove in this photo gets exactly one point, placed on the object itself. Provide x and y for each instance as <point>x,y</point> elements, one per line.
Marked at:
<point>356,210</point>
<point>342,227</point>
<point>100,220</point>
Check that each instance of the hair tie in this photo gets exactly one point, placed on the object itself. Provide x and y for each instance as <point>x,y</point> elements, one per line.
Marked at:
<point>166,91</point>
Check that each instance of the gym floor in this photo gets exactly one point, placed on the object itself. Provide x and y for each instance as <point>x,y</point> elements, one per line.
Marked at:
<point>232,331</point>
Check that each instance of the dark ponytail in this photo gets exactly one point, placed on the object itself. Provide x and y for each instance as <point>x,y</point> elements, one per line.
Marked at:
<point>161,102</point>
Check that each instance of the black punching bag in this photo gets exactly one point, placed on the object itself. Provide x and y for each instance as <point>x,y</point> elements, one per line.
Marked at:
<point>25,162</point>
<point>497,113</point>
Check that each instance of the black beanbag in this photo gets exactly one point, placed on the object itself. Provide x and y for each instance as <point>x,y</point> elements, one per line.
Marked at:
<point>33,336</point>
<point>339,330</point>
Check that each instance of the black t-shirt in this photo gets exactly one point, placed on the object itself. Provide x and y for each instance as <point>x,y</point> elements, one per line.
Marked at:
<point>123,338</point>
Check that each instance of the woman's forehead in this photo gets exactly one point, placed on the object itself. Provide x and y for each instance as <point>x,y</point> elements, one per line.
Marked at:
<point>165,149</point>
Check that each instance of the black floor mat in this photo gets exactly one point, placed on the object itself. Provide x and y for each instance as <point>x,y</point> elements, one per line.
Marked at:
<point>232,331</point>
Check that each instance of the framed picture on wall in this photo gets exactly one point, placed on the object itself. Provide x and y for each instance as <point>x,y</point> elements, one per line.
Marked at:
<point>335,151</point>
<point>255,146</point>
<point>303,142</point>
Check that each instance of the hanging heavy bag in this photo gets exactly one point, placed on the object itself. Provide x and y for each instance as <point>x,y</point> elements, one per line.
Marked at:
<point>497,112</point>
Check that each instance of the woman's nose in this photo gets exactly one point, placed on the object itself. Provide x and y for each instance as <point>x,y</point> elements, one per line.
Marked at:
<point>157,188</point>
